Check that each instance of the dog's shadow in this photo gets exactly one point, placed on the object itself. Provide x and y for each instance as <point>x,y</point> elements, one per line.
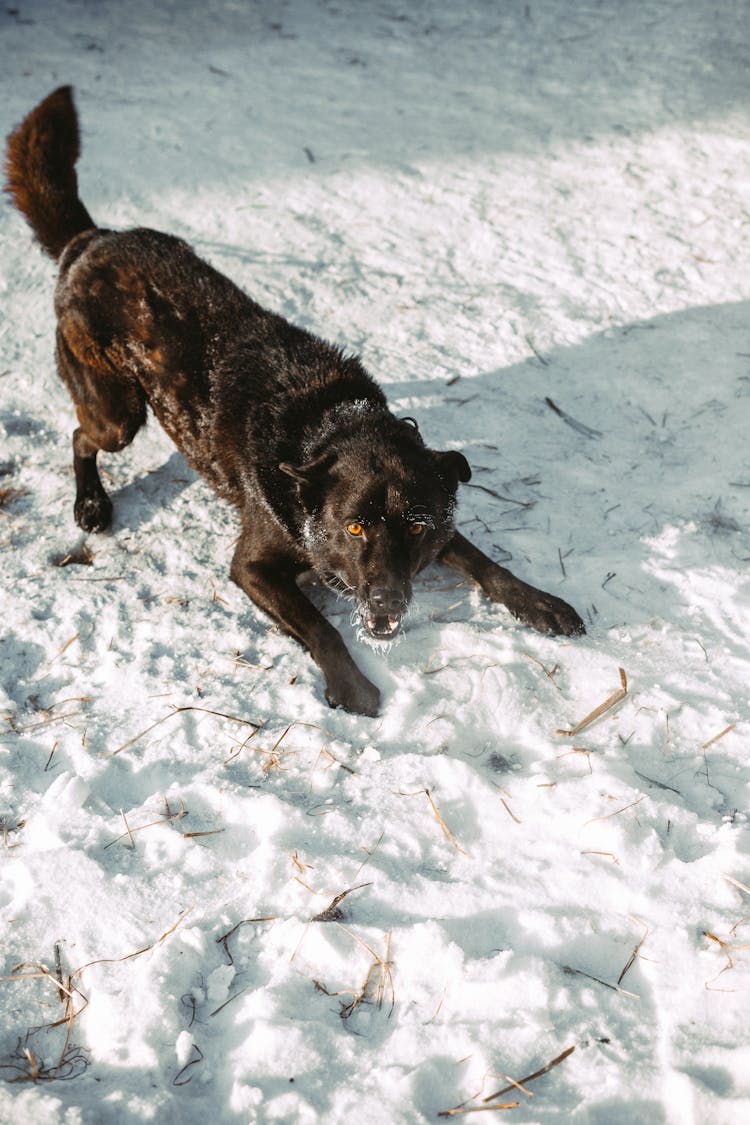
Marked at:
<point>148,492</point>
<point>611,470</point>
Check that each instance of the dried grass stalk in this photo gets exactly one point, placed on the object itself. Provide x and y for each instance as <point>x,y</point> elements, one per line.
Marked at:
<point>633,955</point>
<point>242,745</point>
<point>461,1110</point>
<point>444,826</point>
<point>172,713</point>
<point>223,941</point>
<point>509,811</point>
<point>137,953</point>
<point>378,976</point>
<point>332,912</point>
<point>602,709</point>
<point>51,756</point>
<point>43,722</point>
<point>716,737</point>
<point>610,855</point>
<point>489,1103</point>
<point>725,947</point>
<point>518,1086</point>
<point>83,556</point>
<point>178,1080</point>
<point>166,818</point>
<point>72,1061</point>
<point>549,674</point>
<point>537,1074</point>
<point>65,647</point>
<point>6,827</point>
<point>598,980</point>
<point>229,1001</point>
<point>736,883</point>
<point>617,812</point>
<point>369,854</point>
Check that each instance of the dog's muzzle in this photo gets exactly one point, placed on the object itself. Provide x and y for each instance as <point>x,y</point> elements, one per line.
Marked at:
<point>383,613</point>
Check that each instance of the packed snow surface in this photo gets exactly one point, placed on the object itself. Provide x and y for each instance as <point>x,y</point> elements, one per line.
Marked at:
<point>532,220</point>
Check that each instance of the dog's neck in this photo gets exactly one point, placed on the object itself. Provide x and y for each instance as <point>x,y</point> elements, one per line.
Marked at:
<point>343,420</point>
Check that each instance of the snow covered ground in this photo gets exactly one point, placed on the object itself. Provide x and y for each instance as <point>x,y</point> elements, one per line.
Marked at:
<point>533,221</point>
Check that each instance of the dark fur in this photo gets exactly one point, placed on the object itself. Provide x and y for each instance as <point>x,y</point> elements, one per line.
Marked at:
<point>283,425</point>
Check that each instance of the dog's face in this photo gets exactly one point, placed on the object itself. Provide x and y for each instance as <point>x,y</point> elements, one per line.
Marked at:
<point>377,516</point>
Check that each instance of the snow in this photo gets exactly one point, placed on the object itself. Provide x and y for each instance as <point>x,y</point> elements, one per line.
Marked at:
<point>497,205</point>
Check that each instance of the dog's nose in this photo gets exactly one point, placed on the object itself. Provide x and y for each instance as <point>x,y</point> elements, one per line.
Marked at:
<point>387,601</point>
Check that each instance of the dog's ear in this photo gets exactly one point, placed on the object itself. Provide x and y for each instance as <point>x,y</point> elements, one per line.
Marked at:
<point>312,474</point>
<point>453,467</point>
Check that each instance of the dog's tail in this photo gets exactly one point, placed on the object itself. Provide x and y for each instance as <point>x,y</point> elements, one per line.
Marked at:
<point>40,173</point>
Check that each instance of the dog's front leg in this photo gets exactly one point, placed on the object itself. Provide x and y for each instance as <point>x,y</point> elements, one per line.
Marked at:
<point>272,586</point>
<point>541,611</point>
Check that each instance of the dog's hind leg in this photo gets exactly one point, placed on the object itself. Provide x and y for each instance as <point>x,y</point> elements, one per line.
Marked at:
<point>111,409</point>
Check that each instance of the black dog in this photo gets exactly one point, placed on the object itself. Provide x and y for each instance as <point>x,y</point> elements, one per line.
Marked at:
<point>286,427</point>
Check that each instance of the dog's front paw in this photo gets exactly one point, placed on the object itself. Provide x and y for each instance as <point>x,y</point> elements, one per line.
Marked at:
<point>93,513</point>
<point>354,693</point>
<point>546,613</point>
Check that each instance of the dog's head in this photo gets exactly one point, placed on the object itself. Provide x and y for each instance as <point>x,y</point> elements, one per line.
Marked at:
<point>378,508</point>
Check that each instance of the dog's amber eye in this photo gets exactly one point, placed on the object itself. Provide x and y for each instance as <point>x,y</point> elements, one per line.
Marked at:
<point>416,528</point>
<point>355,529</point>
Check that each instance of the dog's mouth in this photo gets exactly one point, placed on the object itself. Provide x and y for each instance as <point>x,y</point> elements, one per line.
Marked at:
<point>382,626</point>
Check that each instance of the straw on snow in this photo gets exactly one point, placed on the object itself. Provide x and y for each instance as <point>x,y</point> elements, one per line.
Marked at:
<point>332,912</point>
<point>598,980</point>
<point>68,990</point>
<point>610,855</point>
<point>444,826</point>
<point>537,1074</point>
<point>64,648</point>
<point>602,709</point>
<point>716,737</point>
<point>631,960</point>
<point>81,556</point>
<point>167,817</point>
<point>725,947</point>
<point>549,674</point>
<point>628,965</point>
<point>617,812</point>
<point>737,883</point>
<point>381,965</point>
<point>489,1104</point>
<point>179,711</point>
<point>458,1111</point>
<point>178,1080</point>
<point>223,939</point>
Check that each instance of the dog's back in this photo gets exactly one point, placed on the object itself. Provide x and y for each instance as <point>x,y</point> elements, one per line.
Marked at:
<point>142,319</point>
